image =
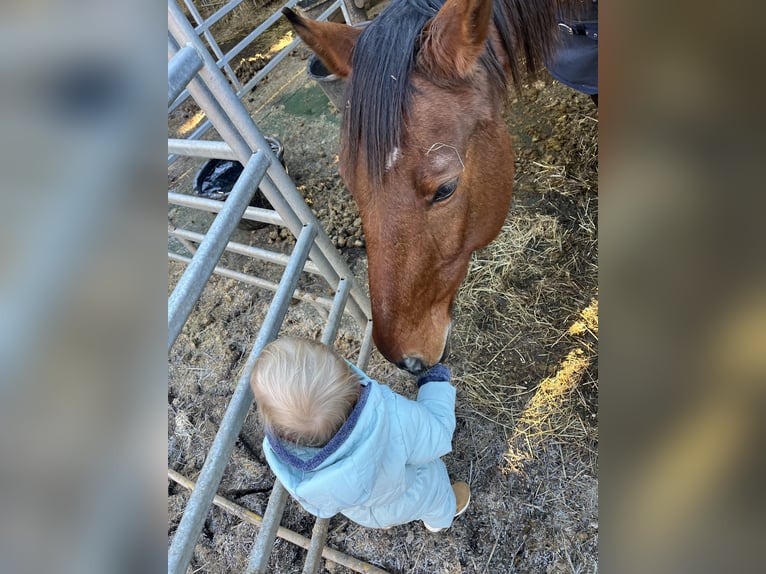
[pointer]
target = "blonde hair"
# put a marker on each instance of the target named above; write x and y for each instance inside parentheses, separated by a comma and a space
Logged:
(305, 391)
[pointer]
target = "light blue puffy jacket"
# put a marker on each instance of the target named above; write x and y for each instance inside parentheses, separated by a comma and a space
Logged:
(382, 468)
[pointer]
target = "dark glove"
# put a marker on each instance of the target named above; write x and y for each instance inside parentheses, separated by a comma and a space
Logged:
(439, 372)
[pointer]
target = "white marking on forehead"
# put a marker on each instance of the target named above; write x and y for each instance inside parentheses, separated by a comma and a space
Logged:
(392, 158)
(441, 160)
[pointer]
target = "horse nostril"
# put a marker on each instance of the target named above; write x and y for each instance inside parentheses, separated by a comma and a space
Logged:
(412, 364)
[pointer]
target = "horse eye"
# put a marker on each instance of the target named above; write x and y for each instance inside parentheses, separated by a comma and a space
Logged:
(445, 191)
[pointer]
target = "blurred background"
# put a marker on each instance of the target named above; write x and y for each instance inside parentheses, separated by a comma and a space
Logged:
(683, 290)
(82, 287)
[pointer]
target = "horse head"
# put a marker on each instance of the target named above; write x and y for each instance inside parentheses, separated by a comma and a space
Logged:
(424, 152)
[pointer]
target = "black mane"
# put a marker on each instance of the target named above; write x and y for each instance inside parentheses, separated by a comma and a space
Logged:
(384, 56)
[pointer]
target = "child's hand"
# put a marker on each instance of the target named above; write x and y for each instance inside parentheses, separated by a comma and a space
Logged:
(439, 372)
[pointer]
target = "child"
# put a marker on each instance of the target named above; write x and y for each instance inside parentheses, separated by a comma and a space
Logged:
(341, 442)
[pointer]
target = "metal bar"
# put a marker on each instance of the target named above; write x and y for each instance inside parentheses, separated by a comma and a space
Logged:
(323, 254)
(203, 27)
(276, 59)
(319, 532)
(274, 510)
(236, 50)
(194, 12)
(352, 13)
(336, 312)
(344, 11)
(318, 540)
(208, 103)
(247, 40)
(366, 350)
(198, 132)
(201, 148)
(181, 69)
(214, 206)
(293, 537)
(277, 186)
(255, 80)
(210, 38)
(190, 527)
(247, 250)
(187, 244)
(259, 556)
(192, 283)
(198, 19)
(258, 282)
(203, 95)
(217, 15)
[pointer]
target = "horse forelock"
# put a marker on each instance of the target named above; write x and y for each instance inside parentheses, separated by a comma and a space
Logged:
(380, 90)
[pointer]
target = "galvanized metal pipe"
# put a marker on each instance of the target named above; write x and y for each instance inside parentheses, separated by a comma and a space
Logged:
(208, 36)
(286, 534)
(203, 29)
(336, 312)
(181, 69)
(201, 148)
(247, 250)
(207, 103)
(265, 25)
(190, 527)
(191, 284)
(366, 350)
(262, 548)
(318, 540)
(277, 187)
(202, 94)
(255, 80)
(319, 532)
(217, 15)
(276, 59)
(352, 13)
(226, 59)
(259, 556)
(324, 302)
(191, 248)
(214, 206)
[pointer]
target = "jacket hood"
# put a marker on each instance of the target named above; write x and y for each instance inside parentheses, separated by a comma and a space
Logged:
(342, 473)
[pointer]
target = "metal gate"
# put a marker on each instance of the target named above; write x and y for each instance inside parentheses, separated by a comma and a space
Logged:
(192, 69)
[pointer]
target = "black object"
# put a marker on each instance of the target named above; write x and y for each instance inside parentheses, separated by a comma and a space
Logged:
(216, 179)
(575, 63)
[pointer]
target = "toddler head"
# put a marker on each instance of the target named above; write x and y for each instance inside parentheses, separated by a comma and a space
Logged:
(305, 391)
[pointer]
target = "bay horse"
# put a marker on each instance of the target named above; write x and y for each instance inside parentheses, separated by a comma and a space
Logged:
(424, 149)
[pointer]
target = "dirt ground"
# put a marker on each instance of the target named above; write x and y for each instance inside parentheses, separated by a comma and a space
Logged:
(524, 349)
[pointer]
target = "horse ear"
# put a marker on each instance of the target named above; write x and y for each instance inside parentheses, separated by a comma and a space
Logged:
(453, 40)
(333, 43)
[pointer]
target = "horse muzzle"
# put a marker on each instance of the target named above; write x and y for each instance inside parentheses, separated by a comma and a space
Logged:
(413, 365)
(416, 365)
